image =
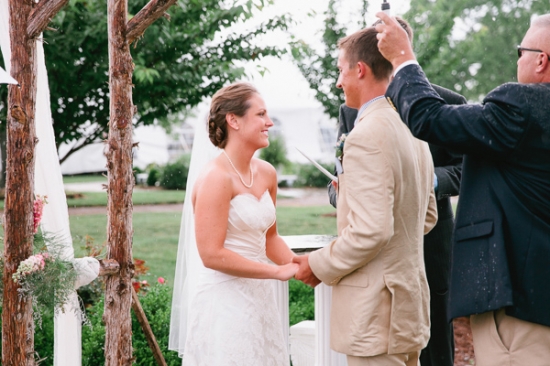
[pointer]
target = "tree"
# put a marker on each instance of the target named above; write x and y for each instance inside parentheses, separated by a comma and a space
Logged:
(469, 45)
(177, 62)
(464, 45)
(320, 70)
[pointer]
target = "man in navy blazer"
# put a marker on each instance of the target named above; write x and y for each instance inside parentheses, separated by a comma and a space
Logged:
(501, 244)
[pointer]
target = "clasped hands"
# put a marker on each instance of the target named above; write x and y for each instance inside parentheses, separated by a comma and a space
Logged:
(304, 273)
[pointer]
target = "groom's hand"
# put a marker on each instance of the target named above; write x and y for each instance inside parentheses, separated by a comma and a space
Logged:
(305, 274)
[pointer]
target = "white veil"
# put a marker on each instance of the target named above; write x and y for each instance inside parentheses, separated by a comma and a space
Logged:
(188, 263)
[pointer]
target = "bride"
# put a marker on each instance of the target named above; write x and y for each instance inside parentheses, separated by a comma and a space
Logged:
(227, 310)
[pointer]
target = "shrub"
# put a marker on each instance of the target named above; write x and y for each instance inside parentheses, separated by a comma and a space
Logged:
(154, 176)
(275, 153)
(156, 304)
(301, 302)
(174, 175)
(310, 176)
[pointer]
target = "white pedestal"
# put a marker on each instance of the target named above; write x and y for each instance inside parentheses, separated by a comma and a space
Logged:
(302, 343)
(324, 356)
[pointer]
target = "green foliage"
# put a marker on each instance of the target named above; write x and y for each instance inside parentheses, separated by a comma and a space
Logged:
(482, 55)
(464, 45)
(177, 62)
(320, 70)
(275, 153)
(310, 176)
(301, 302)
(153, 176)
(174, 175)
(156, 304)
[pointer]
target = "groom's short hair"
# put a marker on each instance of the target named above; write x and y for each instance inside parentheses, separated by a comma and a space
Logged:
(363, 46)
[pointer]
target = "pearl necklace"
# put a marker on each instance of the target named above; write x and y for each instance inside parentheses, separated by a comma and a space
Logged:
(239, 174)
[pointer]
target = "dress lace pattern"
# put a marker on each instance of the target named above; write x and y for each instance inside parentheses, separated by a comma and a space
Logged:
(234, 321)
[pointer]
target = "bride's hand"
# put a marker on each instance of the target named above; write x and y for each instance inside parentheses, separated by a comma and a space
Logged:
(286, 271)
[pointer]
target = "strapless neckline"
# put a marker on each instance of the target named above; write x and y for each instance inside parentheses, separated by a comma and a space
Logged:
(246, 194)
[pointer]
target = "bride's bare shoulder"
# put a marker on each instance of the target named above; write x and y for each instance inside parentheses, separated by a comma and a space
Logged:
(213, 179)
(265, 168)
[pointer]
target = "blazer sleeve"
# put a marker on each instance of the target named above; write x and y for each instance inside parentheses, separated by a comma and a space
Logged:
(448, 164)
(494, 128)
(431, 214)
(368, 178)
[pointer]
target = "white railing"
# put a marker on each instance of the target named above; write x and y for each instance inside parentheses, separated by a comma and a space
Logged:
(324, 356)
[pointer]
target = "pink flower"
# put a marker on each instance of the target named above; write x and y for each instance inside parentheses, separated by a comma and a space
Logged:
(161, 280)
(38, 208)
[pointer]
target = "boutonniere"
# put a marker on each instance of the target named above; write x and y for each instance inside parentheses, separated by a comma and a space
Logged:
(340, 146)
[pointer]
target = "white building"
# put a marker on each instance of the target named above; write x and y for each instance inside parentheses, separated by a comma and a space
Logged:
(308, 128)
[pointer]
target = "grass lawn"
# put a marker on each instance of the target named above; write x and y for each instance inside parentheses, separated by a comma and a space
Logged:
(155, 239)
(141, 197)
(156, 234)
(88, 178)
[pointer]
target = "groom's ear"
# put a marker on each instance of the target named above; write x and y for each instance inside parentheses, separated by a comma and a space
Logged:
(232, 121)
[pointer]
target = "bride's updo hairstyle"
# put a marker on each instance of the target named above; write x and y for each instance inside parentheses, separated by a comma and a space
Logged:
(234, 99)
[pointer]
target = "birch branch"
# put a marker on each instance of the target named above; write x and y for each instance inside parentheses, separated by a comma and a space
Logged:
(146, 16)
(42, 14)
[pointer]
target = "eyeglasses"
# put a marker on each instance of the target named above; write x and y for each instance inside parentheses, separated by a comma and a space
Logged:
(521, 49)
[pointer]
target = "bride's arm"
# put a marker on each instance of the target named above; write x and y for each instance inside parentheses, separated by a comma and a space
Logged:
(212, 202)
(276, 248)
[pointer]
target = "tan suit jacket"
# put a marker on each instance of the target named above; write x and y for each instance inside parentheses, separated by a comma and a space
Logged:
(386, 203)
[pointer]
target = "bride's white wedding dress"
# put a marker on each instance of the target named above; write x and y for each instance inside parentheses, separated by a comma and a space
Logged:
(234, 320)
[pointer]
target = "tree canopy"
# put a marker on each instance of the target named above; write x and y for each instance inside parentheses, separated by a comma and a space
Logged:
(465, 45)
(177, 62)
(470, 45)
(319, 68)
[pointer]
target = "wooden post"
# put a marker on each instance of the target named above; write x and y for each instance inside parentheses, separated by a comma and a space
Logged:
(118, 290)
(149, 336)
(17, 323)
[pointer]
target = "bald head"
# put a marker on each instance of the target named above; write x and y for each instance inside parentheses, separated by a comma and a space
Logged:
(540, 27)
(534, 61)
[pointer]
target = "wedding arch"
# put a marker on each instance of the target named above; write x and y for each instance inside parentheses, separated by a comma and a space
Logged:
(27, 156)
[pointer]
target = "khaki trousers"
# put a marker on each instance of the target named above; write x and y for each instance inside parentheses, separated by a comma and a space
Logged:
(401, 359)
(502, 340)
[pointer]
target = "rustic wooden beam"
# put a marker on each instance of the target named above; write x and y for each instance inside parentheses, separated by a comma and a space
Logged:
(108, 267)
(42, 14)
(149, 335)
(146, 16)
(17, 322)
(118, 289)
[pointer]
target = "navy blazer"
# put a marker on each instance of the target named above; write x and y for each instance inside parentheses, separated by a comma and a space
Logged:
(501, 243)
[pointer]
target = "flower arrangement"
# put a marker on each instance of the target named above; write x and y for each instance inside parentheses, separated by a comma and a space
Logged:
(340, 146)
(46, 277)
(33, 264)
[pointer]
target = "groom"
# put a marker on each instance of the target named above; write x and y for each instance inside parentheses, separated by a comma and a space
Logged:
(386, 203)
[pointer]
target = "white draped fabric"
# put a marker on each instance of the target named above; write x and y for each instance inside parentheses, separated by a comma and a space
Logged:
(5, 78)
(55, 219)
